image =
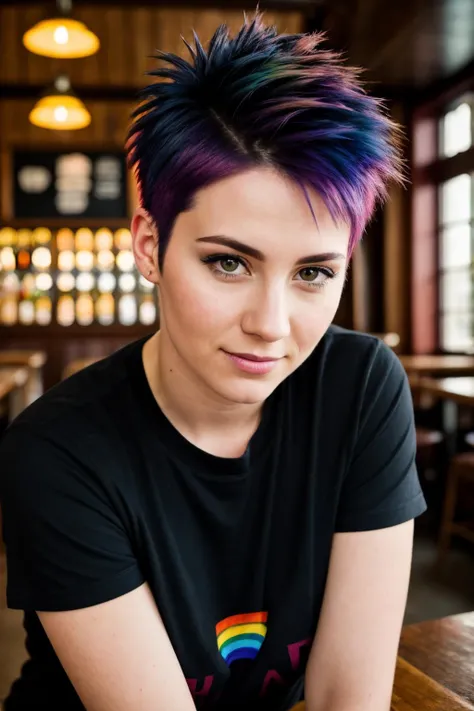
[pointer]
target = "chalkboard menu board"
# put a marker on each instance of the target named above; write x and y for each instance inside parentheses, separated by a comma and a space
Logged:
(72, 184)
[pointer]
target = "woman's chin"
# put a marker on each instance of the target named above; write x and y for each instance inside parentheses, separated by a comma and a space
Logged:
(246, 392)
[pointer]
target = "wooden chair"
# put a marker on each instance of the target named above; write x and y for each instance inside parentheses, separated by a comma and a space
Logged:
(13, 389)
(34, 361)
(429, 452)
(76, 365)
(390, 339)
(461, 471)
(430, 461)
(426, 438)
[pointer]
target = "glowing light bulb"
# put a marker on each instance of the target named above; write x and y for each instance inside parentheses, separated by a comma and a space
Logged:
(61, 35)
(60, 114)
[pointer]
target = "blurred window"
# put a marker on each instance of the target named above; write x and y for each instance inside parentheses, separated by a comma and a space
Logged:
(456, 130)
(456, 287)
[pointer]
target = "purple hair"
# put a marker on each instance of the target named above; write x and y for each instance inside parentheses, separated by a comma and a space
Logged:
(261, 98)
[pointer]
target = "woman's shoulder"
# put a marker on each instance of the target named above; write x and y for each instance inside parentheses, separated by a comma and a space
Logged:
(343, 356)
(355, 344)
(79, 420)
(85, 400)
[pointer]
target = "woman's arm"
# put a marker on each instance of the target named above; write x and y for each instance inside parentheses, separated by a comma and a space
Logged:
(118, 655)
(70, 557)
(352, 662)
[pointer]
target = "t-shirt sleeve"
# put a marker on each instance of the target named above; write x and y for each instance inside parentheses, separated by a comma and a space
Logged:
(66, 544)
(381, 486)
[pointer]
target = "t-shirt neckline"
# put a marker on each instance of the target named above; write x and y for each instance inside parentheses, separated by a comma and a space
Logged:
(180, 448)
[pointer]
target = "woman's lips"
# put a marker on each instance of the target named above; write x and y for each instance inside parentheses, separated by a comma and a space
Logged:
(249, 363)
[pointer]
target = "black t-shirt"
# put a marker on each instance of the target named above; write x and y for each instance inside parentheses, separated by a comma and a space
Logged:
(100, 493)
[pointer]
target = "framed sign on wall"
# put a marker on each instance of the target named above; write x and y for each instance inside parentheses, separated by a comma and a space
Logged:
(73, 184)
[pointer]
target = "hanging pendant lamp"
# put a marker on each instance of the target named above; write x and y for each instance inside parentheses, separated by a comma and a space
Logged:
(61, 37)
(60, 109)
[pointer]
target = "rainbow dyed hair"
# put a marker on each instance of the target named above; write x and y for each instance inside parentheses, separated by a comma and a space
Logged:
(261, 98)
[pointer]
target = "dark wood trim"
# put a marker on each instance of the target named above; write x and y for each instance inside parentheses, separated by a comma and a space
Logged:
(396, 252)
(440, 94)
(424, 246)
(444, 169)
(282, 5)
(106, 93)
(90, 145)
(56, 223)
(6, 197)
(55, 331)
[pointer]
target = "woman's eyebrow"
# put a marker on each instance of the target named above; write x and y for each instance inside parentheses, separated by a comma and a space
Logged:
(235, 244)
(257, 254)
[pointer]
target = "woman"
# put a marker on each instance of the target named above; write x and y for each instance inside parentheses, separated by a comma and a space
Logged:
(221, 515)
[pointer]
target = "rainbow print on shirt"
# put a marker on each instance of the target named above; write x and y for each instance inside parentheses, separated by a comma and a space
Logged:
(241, 636)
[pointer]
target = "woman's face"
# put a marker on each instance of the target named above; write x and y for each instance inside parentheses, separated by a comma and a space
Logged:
(250, 284)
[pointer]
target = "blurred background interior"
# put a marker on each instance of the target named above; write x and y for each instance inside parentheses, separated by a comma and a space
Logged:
(69, 292)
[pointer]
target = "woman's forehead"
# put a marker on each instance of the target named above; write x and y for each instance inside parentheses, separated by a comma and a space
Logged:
(264, 209)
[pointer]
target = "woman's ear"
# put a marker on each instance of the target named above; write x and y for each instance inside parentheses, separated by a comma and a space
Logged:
(145, 244)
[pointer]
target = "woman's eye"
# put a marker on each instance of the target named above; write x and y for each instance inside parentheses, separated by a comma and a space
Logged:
(229, 265)
(226, 265)
(309, 274)
(315, 276)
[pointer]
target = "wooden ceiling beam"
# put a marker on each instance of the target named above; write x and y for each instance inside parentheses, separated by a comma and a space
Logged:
(130, 93)
(86, 93)
(306, 6)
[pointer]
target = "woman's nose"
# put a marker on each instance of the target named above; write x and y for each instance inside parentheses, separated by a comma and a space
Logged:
(267, 316)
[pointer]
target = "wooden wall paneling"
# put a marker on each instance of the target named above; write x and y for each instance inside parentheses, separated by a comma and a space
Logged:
(367, 278)
(9, 33)
(98, 126)
(92, 70)
(360, 291)
(6, 187)
(183, 23)
(35, 70)
(128, 35)
(109, 125)
(290, 22)
(4, 174)
(160, 33)
(23, 67)
(424, 244)
(116, 58)
(396, 255)
(424, 272)
(397, 267)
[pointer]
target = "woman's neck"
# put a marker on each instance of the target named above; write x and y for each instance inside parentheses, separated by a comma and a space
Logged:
(218, 426)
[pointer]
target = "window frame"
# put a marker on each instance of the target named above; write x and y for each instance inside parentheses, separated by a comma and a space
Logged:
(430, 169)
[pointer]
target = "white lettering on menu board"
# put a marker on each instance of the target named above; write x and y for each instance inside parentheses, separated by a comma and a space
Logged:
(73, 183)
(34, 179)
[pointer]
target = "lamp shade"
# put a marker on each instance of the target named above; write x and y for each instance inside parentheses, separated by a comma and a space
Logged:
(61, 37)
(59, 109)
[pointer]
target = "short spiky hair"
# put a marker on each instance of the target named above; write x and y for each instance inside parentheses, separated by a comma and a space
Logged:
(261, 98)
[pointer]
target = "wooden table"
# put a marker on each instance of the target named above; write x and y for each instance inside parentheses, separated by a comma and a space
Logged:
(454, 392)
(417, 365)
(460, 390)
(435, 666)
(12, 384)
(437, 657)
